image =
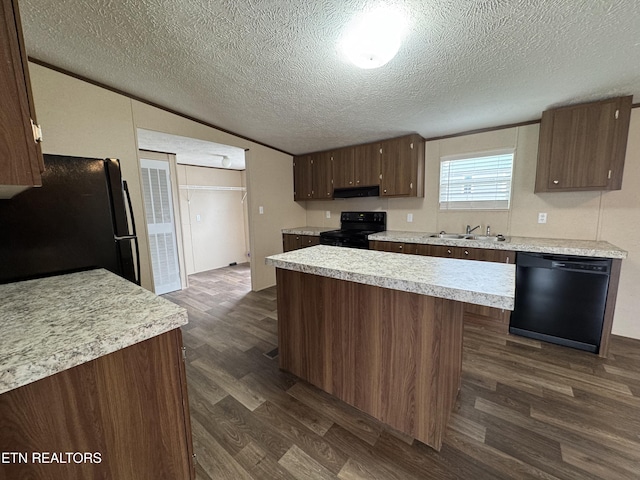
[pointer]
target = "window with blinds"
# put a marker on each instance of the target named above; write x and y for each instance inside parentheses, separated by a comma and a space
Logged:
(478, 182)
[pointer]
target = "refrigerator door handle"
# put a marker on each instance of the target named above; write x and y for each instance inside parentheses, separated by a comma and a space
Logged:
(126, 237)
(133, 235)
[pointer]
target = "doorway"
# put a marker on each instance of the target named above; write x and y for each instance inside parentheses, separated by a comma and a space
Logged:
(209, 194)
(161, 224)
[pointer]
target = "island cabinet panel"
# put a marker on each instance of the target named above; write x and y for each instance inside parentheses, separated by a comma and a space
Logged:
(21, 162)
(394, 355)
(129, 407)
(582, 147)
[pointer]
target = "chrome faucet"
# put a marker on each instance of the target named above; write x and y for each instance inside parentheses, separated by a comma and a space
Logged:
(469, 229)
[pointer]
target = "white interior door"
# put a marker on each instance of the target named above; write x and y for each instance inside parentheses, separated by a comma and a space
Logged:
(156, 183)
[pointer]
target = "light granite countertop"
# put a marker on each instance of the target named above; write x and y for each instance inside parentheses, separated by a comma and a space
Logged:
(583, 248)
(53, 324)
(481, 283)
(312, 231)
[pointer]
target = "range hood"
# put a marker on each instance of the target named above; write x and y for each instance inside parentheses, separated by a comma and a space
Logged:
(356, 192)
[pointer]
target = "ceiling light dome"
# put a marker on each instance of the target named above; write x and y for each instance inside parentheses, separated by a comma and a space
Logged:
(374, 38)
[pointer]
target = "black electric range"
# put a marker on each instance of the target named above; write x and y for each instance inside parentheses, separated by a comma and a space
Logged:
(355, 227)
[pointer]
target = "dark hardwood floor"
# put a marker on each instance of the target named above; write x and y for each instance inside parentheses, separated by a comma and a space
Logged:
(526, 409)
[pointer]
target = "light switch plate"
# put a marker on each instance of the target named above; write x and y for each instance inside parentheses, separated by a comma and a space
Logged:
(542, 217)
(198, 218)
(327, 213)
(409, 217)
(261, 210)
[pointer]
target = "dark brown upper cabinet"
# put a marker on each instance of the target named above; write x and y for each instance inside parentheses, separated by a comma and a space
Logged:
(402, 165)
(396, 165)
(312, 177)
(21, 162)
(322, 176)
(367, 165)
(582, 147)
(357, 166)
(302, 178)
(344, 167)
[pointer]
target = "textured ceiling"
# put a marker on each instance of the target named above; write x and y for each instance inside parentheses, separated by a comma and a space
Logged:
(270, 69)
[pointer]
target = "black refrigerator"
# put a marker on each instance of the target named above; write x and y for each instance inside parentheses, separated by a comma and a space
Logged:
(79, 219)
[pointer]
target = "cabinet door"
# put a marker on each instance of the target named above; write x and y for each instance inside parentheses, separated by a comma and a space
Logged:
(402, 165)
(291, 242)
(439, 251)
(21, 160)
(379, 245)
(343, 167)
(309, 241)
(582, 147)
(490, 255)
(367, 164)
(321, 176)
(302, 178)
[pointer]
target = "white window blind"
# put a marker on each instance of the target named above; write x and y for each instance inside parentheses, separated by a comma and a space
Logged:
(478, 182)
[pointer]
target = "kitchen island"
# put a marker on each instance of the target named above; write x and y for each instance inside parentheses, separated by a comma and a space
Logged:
(383, 331)
(92, 381)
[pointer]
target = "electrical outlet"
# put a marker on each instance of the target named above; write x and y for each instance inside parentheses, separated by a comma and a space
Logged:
(542, 217)
(261, 210)
(409, 217)
(327, 213)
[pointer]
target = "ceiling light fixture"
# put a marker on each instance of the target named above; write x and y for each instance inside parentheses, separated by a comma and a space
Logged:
(373, 38)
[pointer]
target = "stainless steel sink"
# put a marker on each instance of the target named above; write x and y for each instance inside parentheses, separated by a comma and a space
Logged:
(449, 235)
(460, 236)
(485, 238)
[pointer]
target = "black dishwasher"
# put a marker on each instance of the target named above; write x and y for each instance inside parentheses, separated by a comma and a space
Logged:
(561, 299)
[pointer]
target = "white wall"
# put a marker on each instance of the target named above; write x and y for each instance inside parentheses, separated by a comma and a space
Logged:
(609, 216)
(217, 238)
(81, 119)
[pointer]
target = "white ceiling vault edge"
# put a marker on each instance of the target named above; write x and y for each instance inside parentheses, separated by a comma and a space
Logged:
(192, 151)
(271, 71)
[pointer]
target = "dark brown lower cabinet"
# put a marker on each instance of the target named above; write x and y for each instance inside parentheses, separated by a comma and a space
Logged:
(397, 247)
(292, 241)
(121, 416)
(494, 319)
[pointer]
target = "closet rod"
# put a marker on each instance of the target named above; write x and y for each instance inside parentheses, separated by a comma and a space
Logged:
(212, 187)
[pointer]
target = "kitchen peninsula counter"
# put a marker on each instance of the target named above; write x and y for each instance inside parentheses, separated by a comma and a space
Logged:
(55, 323)
(383, 331)
(92, 369)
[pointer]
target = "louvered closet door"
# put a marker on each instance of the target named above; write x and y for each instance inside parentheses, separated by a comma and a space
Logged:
(160, 225)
